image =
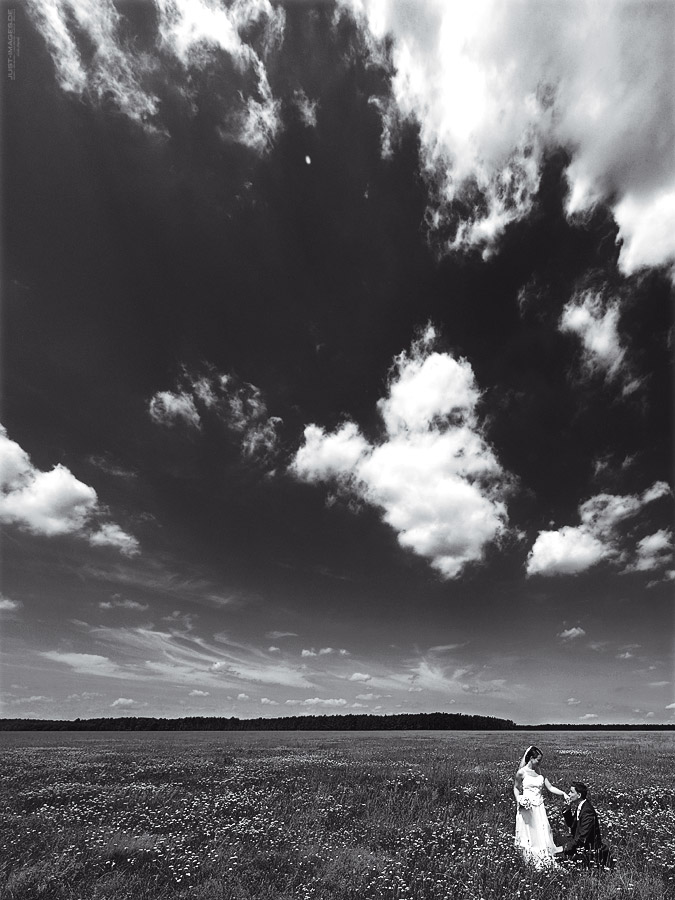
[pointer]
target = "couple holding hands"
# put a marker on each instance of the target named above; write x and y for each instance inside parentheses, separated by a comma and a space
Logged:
(533, 832)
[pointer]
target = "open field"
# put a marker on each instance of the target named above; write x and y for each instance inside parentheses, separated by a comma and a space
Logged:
(424, 816)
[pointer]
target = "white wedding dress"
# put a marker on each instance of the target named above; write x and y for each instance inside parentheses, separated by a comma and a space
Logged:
(533, 832)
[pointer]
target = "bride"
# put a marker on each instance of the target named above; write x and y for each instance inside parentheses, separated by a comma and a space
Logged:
(533, 832)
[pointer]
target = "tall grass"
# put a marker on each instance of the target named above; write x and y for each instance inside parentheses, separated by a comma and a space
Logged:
(231, 817)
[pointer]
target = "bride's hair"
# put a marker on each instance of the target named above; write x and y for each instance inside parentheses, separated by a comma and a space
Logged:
(529, 753)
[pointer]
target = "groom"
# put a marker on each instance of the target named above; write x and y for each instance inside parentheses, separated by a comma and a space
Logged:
(582, 820)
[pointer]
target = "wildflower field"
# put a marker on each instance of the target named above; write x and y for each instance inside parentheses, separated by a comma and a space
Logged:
(419, 815)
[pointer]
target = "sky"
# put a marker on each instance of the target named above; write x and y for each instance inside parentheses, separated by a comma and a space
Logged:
(337, 359)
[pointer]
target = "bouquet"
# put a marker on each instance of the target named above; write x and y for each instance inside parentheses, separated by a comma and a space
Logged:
(524, 802)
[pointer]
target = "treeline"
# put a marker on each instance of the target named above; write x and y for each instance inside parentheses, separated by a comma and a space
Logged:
(398, 722)
(652, 726)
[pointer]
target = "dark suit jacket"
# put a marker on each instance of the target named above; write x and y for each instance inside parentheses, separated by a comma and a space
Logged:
(585, 829)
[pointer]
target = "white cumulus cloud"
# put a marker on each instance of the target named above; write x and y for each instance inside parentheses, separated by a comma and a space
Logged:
(433, 476)
(573, 549)
(9, 605)
(53, 503)
(571, 634)
(654, 551)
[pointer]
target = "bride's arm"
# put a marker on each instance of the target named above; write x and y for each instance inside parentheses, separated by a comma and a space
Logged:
(518, 785)
(553, 789)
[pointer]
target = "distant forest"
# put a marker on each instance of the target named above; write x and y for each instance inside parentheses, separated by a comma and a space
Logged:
(400, 722)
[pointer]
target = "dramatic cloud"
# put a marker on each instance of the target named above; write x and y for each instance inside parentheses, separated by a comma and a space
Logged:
(238, 405)
(574, 549)
(495, 85)
(124, 702)
(436, 480)
(110, 71)
(197, 693)
(191, 36)
(53, 503)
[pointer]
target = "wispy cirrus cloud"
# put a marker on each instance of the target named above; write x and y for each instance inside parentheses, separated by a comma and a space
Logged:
(575, 548)
(118, 602)
(33, 699)
(88, 664)
(189, 37)
(113, 69)
(54, 503)
(594, 319)
(433, 476)
(162, 578)
(495, 86)
(181, 656)
(322, 703)
(239, 406)
(171, 407)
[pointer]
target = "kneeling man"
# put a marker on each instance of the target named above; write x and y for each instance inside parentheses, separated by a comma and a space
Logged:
(582, 820)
